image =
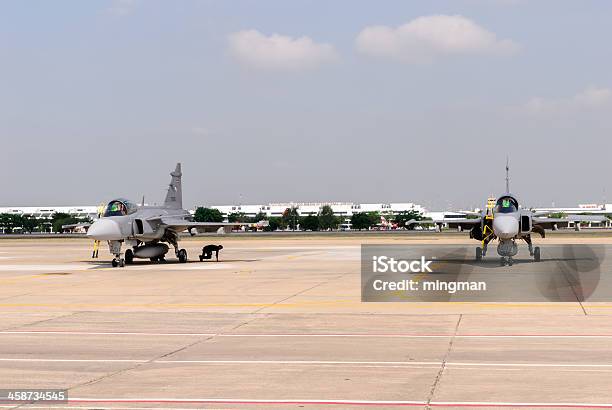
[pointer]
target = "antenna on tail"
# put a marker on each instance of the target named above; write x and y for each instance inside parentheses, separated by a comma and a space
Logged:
(507, 176)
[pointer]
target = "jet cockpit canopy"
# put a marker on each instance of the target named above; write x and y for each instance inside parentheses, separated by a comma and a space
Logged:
(120, 207)
(506, 204)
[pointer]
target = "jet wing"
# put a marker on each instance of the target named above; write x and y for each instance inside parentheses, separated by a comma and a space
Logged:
(452, 222)
(77, 225)
(180, 225)
(550, 223)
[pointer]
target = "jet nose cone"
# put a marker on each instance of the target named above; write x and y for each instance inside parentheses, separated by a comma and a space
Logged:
(105, 230)
(505, 227)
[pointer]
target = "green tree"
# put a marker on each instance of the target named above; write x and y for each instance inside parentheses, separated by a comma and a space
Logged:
(208, 215)
(327, 219)
(59, 219)
(291, 218)
(273, 224)
(10, 221)
(401, 218)
(374, 218)
(310, 223)
(261, 216)
(239, 217)
(30, 223)
(360, 221)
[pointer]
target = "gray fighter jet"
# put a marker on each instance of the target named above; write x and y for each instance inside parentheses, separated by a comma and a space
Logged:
(507, 222)
(144, 229)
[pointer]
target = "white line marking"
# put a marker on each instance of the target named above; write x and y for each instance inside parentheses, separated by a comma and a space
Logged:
(41, 268)
(302, 362)
(482, 364)
(10, 359)
(34, 332)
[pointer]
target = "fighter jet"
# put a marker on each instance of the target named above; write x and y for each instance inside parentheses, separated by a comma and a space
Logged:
(144, 229)
(505, 220)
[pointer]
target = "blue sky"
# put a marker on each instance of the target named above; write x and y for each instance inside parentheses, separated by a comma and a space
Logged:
(387, 101)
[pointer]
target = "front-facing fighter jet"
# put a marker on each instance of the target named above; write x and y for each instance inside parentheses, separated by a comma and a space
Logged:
(507, 222)
(144, 229)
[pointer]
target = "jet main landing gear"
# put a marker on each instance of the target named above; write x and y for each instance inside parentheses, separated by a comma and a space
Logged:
(536, 254)
(182, 256)
(129, 257)
(172, 239)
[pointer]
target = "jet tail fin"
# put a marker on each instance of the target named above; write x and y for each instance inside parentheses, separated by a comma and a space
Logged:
(507, 176)
(174, 197)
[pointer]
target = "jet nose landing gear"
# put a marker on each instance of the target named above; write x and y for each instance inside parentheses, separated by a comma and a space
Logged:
(118, 262)
(115, 248)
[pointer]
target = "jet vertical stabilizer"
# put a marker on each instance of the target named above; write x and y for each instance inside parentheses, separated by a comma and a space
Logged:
(174, 197)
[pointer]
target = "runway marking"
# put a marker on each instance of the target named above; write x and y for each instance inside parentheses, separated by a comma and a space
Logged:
(314, 362)
(29, 359)
(13, 268)
(332, 402)
(307, 335)
(346, 303)
(56, 406)
(90, 268)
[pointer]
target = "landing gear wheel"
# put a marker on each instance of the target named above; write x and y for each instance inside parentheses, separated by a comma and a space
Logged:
(129, 257)
(182, 256)
(201, 258)
(536, 254)
(478, 253)
(118, 262)
(155, 259)
(502, 261)
(510, 261)
(161, 259)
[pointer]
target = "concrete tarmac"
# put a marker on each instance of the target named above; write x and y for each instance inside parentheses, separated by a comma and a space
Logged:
(278, 323)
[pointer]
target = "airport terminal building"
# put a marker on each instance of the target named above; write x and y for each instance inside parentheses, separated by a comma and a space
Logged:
(342, 209)
(45, 212)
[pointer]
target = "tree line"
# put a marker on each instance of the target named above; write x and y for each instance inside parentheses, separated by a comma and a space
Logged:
(324, 220)
(26, 223)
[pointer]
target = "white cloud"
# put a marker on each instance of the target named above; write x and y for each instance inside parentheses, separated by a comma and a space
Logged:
(589, 98)
(277, 52)
(425, 38)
